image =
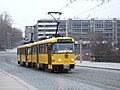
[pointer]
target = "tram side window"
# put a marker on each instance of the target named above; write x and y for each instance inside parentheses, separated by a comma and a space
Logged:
(23, 51)
(18, 52)
(34, 50)
(28, 51)
(43, 48)
(40, 49)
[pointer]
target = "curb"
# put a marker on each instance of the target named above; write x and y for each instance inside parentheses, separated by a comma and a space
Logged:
(98, 67)
(25, 84)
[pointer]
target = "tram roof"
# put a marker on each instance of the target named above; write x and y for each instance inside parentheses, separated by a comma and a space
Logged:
(26, 45)
(51, 40)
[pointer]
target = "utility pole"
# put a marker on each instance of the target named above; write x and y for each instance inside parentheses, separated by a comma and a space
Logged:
(80, 50)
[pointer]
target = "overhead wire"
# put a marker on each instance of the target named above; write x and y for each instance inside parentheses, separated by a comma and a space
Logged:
(69, 3)
(72, 1)
(103, 2)
(108, 7)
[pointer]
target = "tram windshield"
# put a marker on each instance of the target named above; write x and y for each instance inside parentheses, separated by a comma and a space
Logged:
(63, 48)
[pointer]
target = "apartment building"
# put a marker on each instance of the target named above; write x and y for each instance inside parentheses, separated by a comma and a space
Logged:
(80, 28)
(28, 32)
(45, 28)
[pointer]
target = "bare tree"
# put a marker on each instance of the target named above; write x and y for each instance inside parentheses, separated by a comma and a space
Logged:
(16, 37)
(8, 35)
(99, 47)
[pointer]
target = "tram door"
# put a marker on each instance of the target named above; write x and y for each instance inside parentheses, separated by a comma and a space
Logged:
(20, 56)
(27, 54)
(49, 56)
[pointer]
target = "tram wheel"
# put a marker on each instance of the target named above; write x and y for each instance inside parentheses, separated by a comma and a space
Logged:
(29, 65)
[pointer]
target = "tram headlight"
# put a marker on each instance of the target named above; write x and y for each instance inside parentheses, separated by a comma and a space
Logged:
(59, 60)
(72, 59)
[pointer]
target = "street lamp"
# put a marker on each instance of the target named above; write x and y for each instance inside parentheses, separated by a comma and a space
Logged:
(80, 50)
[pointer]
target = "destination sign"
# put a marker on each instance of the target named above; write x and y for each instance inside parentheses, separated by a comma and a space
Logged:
(64, 40)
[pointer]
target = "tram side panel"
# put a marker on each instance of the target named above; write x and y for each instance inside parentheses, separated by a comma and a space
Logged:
(43, 56)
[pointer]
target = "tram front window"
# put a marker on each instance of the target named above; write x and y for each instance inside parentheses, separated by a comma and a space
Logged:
(63, 48)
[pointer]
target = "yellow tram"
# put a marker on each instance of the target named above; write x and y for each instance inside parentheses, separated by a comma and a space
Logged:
(54, 54)
(24, 55)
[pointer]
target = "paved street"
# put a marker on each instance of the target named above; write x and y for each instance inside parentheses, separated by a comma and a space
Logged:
(81, 78)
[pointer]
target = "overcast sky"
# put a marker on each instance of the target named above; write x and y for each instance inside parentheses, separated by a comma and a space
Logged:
(27, 12)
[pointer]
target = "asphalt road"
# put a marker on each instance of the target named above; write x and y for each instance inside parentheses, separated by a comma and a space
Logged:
(81, 78)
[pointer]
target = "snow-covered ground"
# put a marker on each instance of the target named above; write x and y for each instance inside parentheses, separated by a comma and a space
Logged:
(9, 51)
(12, 50)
